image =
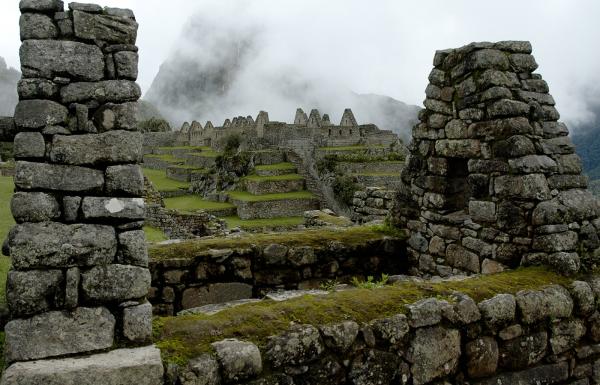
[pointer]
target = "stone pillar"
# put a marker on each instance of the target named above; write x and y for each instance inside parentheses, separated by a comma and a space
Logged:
(492, 180)
(80, 273)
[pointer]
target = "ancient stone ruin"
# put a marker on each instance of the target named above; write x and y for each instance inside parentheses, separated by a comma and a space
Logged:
(493, 180)
(79, 273)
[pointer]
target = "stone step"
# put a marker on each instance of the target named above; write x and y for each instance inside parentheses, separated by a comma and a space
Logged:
(389, 167)
(384, 180)
(199, 159)
(268, 157)
(275, 169)
(276, 184)
(183, 173)
(264, 207)
(160, 162)
(140, 366)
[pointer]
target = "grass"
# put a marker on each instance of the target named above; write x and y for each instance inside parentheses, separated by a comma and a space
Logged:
(350, 236)
(164, 157)
(154, 235)
(263, 223)
(258, 178)
(206, 154)
(184, 337)
(350, 148)
(191, 203)
(6, 219)
(188, 167)
(247, 197)
(162, 183)
(276, 166)
(191, 148)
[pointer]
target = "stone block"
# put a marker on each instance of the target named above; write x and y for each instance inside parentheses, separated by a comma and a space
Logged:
(552, 302)
(45, 176)
(126, 63)
(523, 62)
(85, 7)
(531, 186)
(499, 310)
(201, 370)
(133, 250)
(140, 366)
(434, 353)
(29, 145)
(96, 149)
(551, 243)
(37, 26)
(78, 61)
(36, 114)
(215, 293)
(41, 5)
(119, 12)
(72, 280)
(533, 164)
(113, 208)
(482, 211)
(126, 179)
(523, 351)
(583, 297)
(546, 374)
(458, 148)
(116, 117)
(137, 323)
(34, 207)
(482, 357)
(557, 146)
(507, 107)
(108, 91)
(487, 59)
(34, 291)
(565, 263)
(59, 333)
(426, 312)
(566, 335)
(111, 29)
(340, 337)
(52, 244)
(115, 283)
(301, 344)
(239, 360)
(462, 258)
(71, 206)
(65, 23)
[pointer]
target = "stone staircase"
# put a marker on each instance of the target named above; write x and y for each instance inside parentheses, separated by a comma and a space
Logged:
(312, 183)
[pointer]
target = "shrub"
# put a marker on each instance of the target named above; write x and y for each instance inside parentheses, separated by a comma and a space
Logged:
(231, 143)
(344, 188)
(154, 125)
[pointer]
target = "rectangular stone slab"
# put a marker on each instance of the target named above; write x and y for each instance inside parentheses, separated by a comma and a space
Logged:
(56, 177)
(141, 366)
(96, 149)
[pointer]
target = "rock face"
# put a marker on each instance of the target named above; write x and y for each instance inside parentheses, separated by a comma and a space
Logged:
(79, 273)
(434, 353)
(491, 163)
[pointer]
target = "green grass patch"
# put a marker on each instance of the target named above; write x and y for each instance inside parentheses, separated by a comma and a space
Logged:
(162, 183)
(276, 166)
(246, 196)
(350, 236)
(188, 167)
(263, 223)
(164, 157)
(6, 220)
(258, 178)
(350, 148)
(206, 154)
(154, 235)
(190, 148)
(189, 203)
(184, 337)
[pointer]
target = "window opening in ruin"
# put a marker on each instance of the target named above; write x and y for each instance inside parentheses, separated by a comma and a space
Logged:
(340, 132)
(458, 189)
(329, 132)
(350, 131)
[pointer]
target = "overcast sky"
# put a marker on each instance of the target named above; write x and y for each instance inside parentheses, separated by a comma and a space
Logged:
(380, 46)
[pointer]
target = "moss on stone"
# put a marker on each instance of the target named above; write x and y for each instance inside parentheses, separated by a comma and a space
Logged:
(246, 196)
(190, 203)
(154, 235)
(162, 183)
(184, 337)
(276, 166)
(258, 178)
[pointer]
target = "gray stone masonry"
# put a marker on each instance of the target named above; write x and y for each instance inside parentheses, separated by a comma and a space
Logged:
(79, 276)
(492, 180)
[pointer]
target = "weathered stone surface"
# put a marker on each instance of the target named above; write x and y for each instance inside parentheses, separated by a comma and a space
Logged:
(215, 293)
(126, 63)
(462, 258)
(35, 114)
(531, 186)
(29, 145)
(125, 179)
(114, 91)
(426, 312)
(112, 29)
(487, 59)
(45, 176)
(116, 117)
(434, 352)
(120, 12)
(499, 310)
(51, 244)
(376, 368)
(85, 7)
(275, 254)
(523, 351)
(458, 148)
(137, 322)
(72, 280)
(559, 145)
(482, 211)
(34, 291)
(340, 337)
(550, 243)
(507, 107)
(463, 311)
(566, 335)
(140, 366)
(203, 370)
(391, 329)
(34, 207)
(51, 58)
(546, 374)
(552, 302)
(41, 5)
(133, 250)
(566, 263)
(482, 357)
(239, 360)
(298, 346)
(113, 208)
(94, 149)
(37, 26)
(533, 164)
(580, 204)
(58, 333)
(115, 283)
(583, 297)
(71, 206)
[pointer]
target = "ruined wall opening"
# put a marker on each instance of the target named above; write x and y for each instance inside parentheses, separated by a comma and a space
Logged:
(458, 188)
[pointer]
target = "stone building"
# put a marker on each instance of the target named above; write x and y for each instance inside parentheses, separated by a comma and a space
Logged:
(492, 180)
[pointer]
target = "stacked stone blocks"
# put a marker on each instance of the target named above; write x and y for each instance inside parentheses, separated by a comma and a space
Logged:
(493, 180)
(80, 274)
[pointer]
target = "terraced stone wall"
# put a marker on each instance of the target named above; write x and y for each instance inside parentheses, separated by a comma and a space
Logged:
(492, 180)
(79, 276)
(371, 204)
(548, 336)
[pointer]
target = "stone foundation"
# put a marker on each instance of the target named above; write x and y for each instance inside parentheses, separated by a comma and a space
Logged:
(274, 208)
(372, 204)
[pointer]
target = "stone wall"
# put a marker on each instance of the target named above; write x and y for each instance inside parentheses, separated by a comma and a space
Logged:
(371, 204)
(492, 180)
(179, 225)
(7, 129)
(222, 275)
(79, 275)
(547, 336)
(276, 208)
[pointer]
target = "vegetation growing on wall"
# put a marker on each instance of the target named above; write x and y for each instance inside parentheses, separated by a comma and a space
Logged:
(154, 125)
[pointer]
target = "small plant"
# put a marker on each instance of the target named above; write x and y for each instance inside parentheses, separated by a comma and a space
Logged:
(329, 285)
(344, 188)
(370, 283)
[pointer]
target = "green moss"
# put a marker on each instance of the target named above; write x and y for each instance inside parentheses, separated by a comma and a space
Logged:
(184, 337)
(189, 203)
(276, 166)
(263, 223)
(246, 196)
(257, 178)
(350, 236)
(154, 235)
(6, 220)
(162, 183)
